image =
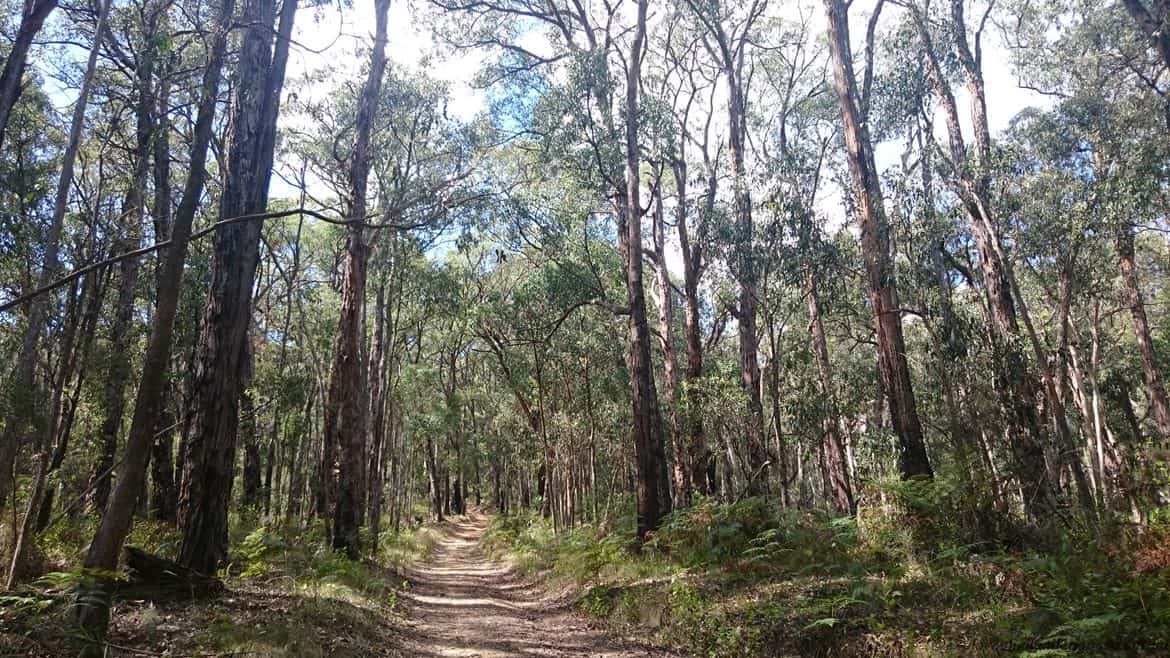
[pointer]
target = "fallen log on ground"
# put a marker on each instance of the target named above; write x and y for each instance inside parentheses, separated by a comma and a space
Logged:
(156, 578)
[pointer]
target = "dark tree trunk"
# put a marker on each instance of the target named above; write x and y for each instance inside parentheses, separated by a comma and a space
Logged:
(250, 497)
(32, 19)
(647, 430)
(222, 362)
(92, 612)
(345, 412)
(164, 497)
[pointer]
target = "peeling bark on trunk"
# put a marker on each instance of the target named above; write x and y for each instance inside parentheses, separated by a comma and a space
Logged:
(1155, 388)
(879, 269)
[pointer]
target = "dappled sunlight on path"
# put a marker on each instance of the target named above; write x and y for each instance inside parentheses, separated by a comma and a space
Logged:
(461, 603)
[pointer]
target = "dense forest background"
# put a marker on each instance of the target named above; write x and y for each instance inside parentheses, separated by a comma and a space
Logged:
(747, 288)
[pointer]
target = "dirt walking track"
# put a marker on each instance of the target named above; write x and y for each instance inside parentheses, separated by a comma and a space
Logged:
(460, 603)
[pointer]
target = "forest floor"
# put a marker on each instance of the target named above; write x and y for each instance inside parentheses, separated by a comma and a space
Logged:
(448, 598)
(461, 603)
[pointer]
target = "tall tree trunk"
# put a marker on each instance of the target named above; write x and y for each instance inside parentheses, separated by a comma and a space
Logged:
(745, 274)
(32, 19)
(23, 400)
(875, 246)
(118, 366)
(93, 608)
(729, 50)
(1015, 382)
(680, 466)
(698, 454)
(164, 499)
(378, 369)
(221, 363)
(345, 412)
(836, 472)
(647, 430)
(1155, 388)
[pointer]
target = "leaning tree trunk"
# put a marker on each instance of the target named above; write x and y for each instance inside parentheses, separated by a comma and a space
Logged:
(23, 396)
(118, 366)
(32, 19)
(1016, 383)
(345, 411)
(93, 608)
(875, 247)
(1155, 388)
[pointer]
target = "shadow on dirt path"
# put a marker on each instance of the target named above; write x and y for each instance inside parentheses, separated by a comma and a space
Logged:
(460, 603)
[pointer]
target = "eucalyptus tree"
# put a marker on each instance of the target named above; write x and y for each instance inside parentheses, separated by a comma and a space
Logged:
(94, 603)
(23, 378)
(32, 18)
(223, 360)
(881, 284)
(691, 117)
(600, 51)
(138, 52)
(729, 34)
(1017, 382)
(420, 162)
(1107, 100)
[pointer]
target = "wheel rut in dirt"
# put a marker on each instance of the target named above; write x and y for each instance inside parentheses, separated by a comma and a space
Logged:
(461, 603)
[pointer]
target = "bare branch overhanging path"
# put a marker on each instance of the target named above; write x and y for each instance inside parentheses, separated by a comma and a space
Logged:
(463, 604)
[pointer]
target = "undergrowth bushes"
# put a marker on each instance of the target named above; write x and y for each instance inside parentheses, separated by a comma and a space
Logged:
(925, 569)
(291, 564)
